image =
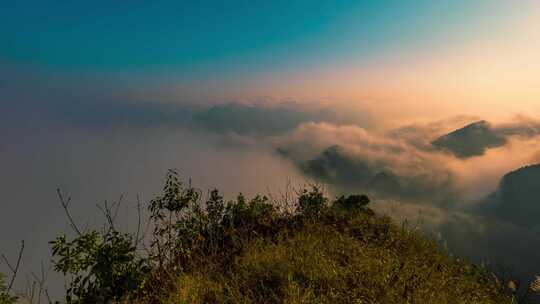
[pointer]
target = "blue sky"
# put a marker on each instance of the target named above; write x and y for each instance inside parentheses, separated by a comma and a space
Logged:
(440, 52)
(192, 36)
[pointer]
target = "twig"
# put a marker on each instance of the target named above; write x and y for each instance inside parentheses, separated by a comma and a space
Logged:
(107, 213)
(32, 292)
(14, 270)
(41, 282)
(138, 220)
(48, 297)
(118, 203)
(65, 205)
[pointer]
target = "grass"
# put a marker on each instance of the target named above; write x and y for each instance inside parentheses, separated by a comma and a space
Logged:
(338, 258)
(251, 251)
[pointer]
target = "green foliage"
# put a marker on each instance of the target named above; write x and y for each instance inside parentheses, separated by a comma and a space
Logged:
(312, 203)
(247, 251)
(176, 218)
(341, 254)
(251, 215)
(5, 297)
(329, 262)
(104, 268)
(215, 207)
(352, 202)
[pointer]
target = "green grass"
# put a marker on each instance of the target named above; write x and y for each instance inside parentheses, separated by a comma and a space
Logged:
(360, 258)
(251, 251)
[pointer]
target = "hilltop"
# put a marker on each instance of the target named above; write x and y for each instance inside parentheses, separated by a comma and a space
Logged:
(471, 140)
(303, 249)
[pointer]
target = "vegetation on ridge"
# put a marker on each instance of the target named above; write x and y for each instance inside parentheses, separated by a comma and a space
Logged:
(303, 250)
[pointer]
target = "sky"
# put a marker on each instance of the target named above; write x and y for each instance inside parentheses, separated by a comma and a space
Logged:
(185, 37)
(469, 55)
(101, 98)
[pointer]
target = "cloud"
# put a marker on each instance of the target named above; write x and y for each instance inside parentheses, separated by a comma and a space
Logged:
(476, 138)
(272, 119)
(471, 140)
(244, 119)
(421, 135)
(463, 198)
(350, 158)
(96, 141)
(498, 244)
(96, 164)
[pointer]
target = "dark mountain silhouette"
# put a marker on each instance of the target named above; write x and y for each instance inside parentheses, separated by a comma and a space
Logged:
(472, 140)
(517, 198)
(385, 183)
(336, 167)
(346, 172)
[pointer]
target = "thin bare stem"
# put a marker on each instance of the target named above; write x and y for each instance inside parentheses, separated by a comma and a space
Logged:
(41, 279)
(110, 216)
(138, 220)
(65, 205)
(14, 269)
(118, 203)
(48, 297)
(107, 213)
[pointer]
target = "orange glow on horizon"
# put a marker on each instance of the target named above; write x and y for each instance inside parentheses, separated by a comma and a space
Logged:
(495, 76)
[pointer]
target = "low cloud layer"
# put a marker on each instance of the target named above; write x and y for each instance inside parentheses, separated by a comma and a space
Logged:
(256, 118)
(350, 157)
(96, 144)
(483, 212)
(476, 138)
(498, 244)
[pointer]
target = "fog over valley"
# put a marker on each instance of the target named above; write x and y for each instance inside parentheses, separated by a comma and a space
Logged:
(450, 176)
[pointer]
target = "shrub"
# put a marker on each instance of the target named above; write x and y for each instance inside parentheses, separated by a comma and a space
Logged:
(104, 268)
(312, 202)
(177, 219)
(247, 251)
(351, 202)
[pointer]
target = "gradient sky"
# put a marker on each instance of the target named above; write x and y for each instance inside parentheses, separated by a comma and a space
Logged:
(187, 36)
(473, 57)
(403, 60)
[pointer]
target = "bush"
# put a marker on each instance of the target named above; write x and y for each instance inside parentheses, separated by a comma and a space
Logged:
(104, 268)
(247, 251)
(352, 202)
(312, 203)
(320, 264)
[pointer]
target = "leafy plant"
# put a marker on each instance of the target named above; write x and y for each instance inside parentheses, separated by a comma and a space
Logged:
(104, 268)
(312, 202)
(249, 251)
(352, 202)
(177, 219)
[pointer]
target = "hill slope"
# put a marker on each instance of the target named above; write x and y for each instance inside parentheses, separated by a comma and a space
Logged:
(361, 259)
(517, 198)
(303, 250)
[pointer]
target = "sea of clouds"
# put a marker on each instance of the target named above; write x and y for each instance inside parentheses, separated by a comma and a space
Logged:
(96, 143)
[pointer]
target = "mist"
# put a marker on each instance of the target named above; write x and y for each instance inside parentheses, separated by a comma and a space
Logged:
(95, 142)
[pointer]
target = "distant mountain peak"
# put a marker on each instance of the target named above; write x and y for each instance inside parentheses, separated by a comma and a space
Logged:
(385, 182)
(517, 198)
(471, 140)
